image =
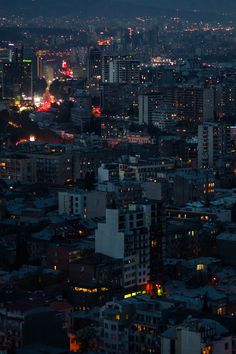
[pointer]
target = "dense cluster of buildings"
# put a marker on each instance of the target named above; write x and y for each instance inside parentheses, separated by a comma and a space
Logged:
(118, 190)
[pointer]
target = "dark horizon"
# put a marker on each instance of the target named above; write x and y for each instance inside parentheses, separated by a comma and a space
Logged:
(114, 7)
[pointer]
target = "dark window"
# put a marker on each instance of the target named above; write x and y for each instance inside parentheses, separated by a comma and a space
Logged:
(139, 223)
(172, 346)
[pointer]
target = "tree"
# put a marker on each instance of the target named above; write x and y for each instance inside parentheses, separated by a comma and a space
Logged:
(60, 89)
(40, 86)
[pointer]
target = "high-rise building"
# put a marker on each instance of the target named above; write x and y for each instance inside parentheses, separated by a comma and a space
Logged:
(213, 143)
(106, 60)
(229, 100)
(39, 65)
(119, 98)
(17, 80)
(147, 104)
(17, 74)
(124, 71)
(37, 168)
(81, 113)
(86, 204)
(94, 65)
(197, 104)
(16, 54)
(125, 235)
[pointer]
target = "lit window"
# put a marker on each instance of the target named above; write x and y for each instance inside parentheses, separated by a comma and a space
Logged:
(154, 243)
(220, 311)
(200, 266)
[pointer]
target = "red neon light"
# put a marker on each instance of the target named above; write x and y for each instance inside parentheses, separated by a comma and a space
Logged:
(148, 288)
(65, 70)
(47, 101)
(64, 64)
(101, 42)
(21, 141)
(96, 111)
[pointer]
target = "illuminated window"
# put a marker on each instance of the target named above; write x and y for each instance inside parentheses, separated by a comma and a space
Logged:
(200, 266)
(104, 289)
(85, 290)
(206, 350)
(154, 243)
(117, 317)
(160, 291)
(220, 311)
(139, 328)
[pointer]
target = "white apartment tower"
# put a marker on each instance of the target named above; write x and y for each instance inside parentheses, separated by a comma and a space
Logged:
(86, 204)
(125, 235)
(124, 71)
(147, 104)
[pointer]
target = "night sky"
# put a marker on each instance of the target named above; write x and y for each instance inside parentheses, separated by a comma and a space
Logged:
(91, 7)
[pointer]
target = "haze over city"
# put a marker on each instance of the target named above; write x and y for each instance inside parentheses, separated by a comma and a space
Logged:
(90, 7)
